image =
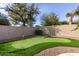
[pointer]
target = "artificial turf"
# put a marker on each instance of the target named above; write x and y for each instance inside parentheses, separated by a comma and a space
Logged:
(33, 45)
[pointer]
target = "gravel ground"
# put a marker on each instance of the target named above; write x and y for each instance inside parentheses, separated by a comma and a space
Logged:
(57, 51)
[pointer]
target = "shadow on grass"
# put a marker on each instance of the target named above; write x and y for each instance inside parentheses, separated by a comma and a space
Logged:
(17, 39)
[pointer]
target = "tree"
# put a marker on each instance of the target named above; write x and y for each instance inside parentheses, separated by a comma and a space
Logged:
(22, 12)
(76, 12)
(50, 19)
(33, 11)
(69, 16)
(3, 20)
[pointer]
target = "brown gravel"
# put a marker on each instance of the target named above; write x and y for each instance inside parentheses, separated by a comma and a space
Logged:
(58, 50)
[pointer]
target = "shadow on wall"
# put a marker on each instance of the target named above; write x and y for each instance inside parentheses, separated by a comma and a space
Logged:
(61, 31)
(50, 31)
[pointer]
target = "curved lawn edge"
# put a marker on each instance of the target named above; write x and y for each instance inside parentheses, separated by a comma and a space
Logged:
(36, 49)
(26, 43)
(40, 47)
(31, 50)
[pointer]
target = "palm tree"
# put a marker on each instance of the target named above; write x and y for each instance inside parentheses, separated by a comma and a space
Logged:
(76, 12)
(69, 16)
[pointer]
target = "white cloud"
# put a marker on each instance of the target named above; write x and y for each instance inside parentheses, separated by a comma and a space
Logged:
(2, 5)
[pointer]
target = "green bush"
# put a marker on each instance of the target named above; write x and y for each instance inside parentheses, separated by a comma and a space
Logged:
(63, 22)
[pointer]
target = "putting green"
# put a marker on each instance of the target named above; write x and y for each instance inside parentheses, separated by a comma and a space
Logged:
(36, 40)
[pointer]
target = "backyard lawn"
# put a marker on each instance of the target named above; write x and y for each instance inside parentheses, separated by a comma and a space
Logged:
(33, 45)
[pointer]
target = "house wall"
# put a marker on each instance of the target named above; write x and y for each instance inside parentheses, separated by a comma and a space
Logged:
(8, 32)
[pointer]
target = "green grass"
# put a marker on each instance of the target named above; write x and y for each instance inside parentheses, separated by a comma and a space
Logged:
(33, 45)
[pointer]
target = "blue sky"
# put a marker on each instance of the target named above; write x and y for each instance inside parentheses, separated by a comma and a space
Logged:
(59, 8)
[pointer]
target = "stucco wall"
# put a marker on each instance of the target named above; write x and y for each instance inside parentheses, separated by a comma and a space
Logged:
(8, 32)
(62, 31)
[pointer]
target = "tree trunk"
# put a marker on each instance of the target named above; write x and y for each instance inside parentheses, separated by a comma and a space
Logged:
(70, 20)
(30, 23)
(24, 24)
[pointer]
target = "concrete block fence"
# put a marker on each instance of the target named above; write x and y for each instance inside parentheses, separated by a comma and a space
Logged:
(66, 31)
(9, 33)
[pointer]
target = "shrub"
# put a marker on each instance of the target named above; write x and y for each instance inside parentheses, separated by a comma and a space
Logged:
(50, 19)
(63, 22)
(38, 30)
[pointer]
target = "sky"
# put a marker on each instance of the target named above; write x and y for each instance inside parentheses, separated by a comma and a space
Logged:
(61, 9)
